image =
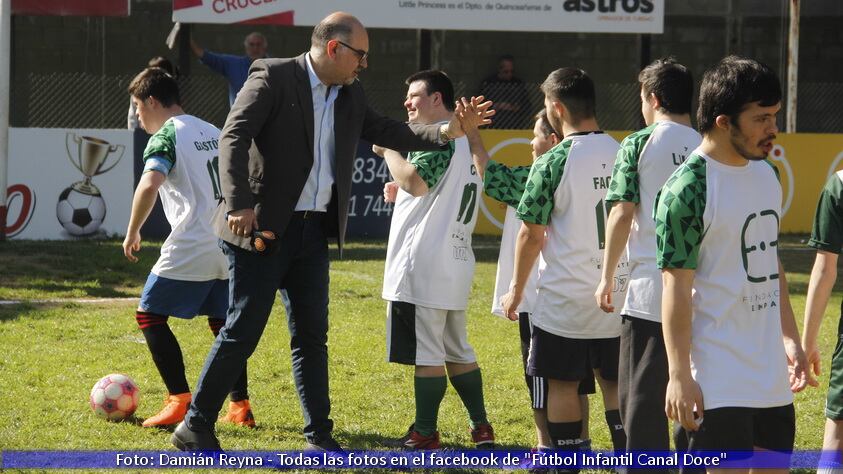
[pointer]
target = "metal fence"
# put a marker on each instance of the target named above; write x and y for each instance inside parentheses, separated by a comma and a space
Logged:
(79, 100)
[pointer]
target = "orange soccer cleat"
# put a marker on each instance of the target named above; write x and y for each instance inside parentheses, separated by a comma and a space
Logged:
(175, 407)
(240, 413)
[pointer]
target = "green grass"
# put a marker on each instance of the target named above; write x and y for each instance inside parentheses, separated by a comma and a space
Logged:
(52, 353)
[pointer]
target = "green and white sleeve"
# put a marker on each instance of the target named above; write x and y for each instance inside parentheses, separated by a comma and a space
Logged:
(679, 216)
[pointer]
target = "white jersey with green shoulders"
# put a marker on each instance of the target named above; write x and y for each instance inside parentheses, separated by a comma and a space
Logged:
(429, 259)
(723, 222)
(645, 161)
(188, 146)
(565, 191)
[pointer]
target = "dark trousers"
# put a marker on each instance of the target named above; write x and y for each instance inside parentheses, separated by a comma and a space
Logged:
(299, 266)
(642, 382)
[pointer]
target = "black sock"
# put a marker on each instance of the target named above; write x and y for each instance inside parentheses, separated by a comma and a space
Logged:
(613, 419)
(240, 390)
(565, 436)
(165, 350)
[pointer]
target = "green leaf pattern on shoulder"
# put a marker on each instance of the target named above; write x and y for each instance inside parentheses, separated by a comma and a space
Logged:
(545, 175)
(431, 165)
(624, 185)
(679, 215)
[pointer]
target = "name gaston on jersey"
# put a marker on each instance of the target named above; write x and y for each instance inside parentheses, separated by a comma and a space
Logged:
(209, 145)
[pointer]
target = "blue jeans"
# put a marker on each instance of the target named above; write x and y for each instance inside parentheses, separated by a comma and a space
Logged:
(300, 267)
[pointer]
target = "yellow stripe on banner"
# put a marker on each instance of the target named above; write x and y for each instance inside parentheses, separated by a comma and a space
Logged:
(805, 161)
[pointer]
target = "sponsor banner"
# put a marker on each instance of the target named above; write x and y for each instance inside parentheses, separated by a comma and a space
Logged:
(50, 196)
(69, 183)
(597, 16)
(444, 459)
(804, 160)
(368, 214)
(71, 7)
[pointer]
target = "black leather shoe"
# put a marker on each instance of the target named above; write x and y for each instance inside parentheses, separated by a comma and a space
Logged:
(186, 439)
(327, 443)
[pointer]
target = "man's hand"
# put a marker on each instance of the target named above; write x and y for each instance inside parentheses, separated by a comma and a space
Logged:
(390, 191)
(473, 106)
(473, 113)
(378, 150)
(603, 295)
(798, 367)
(682, 395)
(242, 221)
(510, 303)
(131, 244)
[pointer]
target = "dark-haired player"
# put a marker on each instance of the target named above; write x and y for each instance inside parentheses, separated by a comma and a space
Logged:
(191, 276)
(645, 161)
(430, 267)
(563, 199)
(717, 230)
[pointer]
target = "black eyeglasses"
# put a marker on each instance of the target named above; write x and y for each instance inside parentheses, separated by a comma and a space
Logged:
(362, 55)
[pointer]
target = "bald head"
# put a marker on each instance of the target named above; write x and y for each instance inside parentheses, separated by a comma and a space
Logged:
(338, 25)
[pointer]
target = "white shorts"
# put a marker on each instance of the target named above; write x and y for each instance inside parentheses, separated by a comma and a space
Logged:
(416, 335)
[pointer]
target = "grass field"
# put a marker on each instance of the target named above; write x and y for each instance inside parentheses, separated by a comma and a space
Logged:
(55, 343)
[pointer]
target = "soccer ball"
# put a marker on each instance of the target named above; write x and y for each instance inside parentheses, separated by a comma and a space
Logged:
(115, 397)
(80, 213)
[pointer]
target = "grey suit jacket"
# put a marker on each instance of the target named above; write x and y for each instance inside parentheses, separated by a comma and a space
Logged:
(266, 146)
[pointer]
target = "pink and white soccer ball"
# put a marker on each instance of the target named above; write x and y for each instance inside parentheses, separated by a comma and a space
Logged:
(115, 397)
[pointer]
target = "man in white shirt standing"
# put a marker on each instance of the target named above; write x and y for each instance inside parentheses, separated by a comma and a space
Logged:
(717, 231)
(430, 267)
(645, 161)
(563, 199)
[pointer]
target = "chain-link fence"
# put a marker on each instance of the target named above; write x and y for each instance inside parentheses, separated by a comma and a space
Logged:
(820, 108)
(78, 100)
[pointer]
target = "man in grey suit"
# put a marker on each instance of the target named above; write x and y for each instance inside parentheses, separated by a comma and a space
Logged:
(286, 154)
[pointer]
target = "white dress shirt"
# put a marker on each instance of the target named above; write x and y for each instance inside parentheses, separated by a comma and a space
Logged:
(317, 190)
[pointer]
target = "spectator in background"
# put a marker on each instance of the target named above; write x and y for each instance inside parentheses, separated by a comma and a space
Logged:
(157, 61)
(234, 68)
(509, 95)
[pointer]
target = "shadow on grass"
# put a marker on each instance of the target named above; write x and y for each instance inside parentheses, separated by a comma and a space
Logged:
(485, 249)
(48, 290)
(12, 312)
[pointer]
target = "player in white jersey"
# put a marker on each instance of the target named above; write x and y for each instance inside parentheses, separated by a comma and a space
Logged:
(645, 161)
(191, 276)
(717, 231)
(564, 199)
(506, 185)
(430, 266)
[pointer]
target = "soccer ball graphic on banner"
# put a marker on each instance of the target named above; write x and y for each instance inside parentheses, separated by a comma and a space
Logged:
(80, 213)
(115, 397)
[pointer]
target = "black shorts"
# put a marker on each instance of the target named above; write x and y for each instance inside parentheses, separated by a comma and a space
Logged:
(742, 429)
(537, 386)
(642, 382)
(563, 358)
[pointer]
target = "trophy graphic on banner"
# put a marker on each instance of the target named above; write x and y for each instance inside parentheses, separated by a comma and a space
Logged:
(81, 208)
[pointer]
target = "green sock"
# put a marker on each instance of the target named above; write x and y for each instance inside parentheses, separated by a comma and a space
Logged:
(470, 388)
(429, 394)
